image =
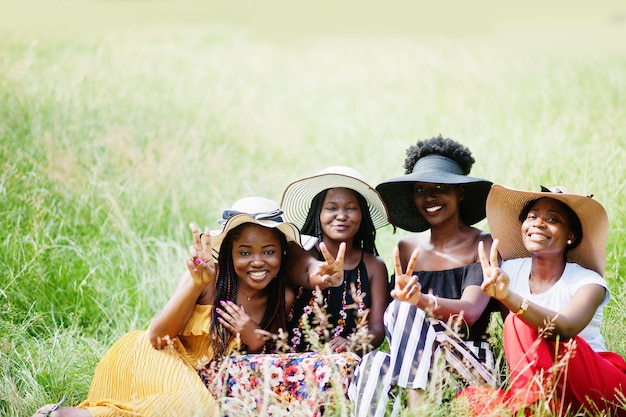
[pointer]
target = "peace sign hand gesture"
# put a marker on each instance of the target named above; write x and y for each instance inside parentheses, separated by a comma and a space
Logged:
(495, 280)
(407, 286)
(200, 263)
(331, 271)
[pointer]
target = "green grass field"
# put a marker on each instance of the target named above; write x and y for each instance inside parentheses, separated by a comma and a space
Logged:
(121, 122)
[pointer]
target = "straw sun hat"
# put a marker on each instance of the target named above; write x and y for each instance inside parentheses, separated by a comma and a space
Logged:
(299, 194)
(261, 211)
(397, 192)
(505, 204)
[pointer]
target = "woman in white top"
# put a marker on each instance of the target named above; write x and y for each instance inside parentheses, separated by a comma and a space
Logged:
(551, 280)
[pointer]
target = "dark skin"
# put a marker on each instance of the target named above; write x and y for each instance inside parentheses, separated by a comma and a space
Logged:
(196, 287)
(340, 219)
(545, 233)
(448, 244)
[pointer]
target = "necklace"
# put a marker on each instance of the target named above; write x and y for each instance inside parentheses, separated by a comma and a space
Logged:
(247, 297)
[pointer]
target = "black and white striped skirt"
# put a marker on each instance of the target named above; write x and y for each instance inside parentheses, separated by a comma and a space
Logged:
(421, 350)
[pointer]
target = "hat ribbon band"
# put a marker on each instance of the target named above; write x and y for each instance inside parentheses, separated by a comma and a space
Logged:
(267, 215)
(437, 163)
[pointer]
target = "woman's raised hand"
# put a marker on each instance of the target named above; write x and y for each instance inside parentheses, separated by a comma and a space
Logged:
(408, 287)
(200, 263)
(495, 280)
(331, 271)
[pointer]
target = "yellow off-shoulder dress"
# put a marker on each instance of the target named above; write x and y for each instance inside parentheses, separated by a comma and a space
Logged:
(134, 379)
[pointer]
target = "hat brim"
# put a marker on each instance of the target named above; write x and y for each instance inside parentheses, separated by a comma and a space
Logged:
(397, 193)
(297, 198)
(290, 230)
(504, 206)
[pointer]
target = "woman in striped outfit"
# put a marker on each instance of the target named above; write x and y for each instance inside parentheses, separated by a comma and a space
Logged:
(441, 287)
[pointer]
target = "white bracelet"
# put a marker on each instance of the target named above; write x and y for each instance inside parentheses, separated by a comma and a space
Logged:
(434, 300)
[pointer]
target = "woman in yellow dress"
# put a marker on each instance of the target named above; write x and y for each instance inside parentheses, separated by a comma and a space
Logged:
(212, 311)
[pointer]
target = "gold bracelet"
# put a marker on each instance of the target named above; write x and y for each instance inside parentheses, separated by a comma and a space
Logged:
(523, 307)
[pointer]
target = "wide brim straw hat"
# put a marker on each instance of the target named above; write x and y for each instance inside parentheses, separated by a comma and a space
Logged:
(397, 193)
(261, 211)
(504, 206)
(299, 194)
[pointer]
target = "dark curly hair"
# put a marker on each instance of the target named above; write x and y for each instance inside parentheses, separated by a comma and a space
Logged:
(364, 238)
(226, 290)
(439, 146)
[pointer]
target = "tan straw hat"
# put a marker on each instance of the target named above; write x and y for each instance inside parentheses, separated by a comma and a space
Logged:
(299, 194)
(261, 211)
(504, 206)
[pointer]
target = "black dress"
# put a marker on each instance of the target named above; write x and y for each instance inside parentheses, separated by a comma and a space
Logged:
(338, 304)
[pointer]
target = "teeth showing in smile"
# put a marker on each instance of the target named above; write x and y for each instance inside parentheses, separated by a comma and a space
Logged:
(433, 209)
(536, 236)
(259, 274)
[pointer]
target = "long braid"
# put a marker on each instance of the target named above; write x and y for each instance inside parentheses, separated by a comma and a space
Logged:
(312, 225)
(365, 237)
(225, 290)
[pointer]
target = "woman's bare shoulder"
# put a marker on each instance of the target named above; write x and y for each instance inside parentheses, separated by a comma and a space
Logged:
(410, 242)
(486, 238)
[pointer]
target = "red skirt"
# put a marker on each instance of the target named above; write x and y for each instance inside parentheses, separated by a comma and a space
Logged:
(561, 374)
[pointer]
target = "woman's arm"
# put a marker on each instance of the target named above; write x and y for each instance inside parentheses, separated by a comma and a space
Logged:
(176, 313)
(471, 305)
(379, 289)
(194, 284)
(567, 322)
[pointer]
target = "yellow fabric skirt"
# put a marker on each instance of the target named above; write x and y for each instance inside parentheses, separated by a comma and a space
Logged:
(134, 379)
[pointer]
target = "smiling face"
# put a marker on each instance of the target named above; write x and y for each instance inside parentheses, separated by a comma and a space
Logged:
(546, 228)
(257, 256)
(340, 216)
(437, 203)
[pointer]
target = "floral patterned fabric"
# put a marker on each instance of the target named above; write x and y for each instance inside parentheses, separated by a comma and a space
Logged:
(280, 384)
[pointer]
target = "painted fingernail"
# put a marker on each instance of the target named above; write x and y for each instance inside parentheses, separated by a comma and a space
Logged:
(198, 261)
(195, 271)
(218, 309)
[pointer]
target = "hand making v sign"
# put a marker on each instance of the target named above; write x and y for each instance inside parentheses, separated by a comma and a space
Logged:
(408, 287)
(331, 271)
(495, 280)
(200, 263)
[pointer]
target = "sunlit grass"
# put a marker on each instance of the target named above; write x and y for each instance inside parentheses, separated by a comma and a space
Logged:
(111, 142)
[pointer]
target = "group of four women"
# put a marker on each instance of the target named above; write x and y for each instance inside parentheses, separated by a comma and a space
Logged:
(274, 267)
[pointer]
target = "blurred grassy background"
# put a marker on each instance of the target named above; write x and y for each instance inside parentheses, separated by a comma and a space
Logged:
(122, 121)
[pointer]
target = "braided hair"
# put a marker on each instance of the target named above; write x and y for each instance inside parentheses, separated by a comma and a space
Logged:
(226, 290)
(439, 146)
(364, 238)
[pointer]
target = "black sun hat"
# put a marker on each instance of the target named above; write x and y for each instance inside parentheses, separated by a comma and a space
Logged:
(397, 193)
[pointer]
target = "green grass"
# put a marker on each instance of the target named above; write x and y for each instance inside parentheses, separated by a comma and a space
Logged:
(122, 122)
